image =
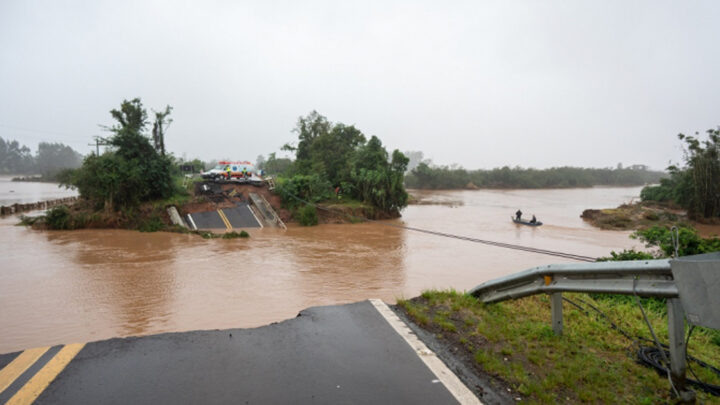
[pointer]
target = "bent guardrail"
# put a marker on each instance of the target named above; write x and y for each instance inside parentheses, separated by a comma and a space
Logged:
(648, 278)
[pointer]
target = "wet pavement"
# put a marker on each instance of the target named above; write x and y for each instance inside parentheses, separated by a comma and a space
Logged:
(327, 355)
(238, 217)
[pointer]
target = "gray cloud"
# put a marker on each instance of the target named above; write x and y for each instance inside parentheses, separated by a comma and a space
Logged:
(483, 84)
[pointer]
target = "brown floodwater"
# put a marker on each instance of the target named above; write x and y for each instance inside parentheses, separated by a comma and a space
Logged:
(61, 287)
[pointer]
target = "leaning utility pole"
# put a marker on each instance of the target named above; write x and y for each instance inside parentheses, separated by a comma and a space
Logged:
(98, 142)
(158, 132)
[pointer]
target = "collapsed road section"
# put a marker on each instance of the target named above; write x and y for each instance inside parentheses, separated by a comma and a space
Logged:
(355, 353)
(228, 206)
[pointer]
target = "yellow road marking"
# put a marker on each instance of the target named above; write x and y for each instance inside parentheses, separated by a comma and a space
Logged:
(33, 388)
(225, 220)
(18, 366)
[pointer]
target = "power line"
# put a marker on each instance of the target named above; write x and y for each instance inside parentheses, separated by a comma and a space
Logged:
(466, 238)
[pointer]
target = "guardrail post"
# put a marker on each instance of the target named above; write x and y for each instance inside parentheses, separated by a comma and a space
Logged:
(556, 307)
(676, 335)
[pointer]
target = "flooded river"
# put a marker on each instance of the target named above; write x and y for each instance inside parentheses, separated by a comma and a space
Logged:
(61, 287)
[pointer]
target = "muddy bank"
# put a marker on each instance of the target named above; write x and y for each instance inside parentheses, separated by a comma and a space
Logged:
(642, 215)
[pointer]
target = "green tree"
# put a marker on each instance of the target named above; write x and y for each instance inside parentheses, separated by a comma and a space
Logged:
(331, 152)
(132, 171)
(331, 155)
(703, 161)
(695, 187)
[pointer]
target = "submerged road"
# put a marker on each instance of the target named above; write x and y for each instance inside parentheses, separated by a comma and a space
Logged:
(355, 353)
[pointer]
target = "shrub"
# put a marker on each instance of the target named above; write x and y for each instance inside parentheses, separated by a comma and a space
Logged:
(631, 254)
(59, 218)
(152, 224)
(307, 215)
(312, 188)
(235, 235)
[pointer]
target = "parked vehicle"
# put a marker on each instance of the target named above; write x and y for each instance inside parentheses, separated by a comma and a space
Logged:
(220, 172)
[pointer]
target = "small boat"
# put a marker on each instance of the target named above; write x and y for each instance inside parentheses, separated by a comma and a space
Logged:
(528, 223)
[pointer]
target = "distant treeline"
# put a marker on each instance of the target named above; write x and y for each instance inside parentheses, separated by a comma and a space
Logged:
(427, 176)
(48, 161)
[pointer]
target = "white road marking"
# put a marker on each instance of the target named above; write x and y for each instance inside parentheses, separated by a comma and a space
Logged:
(192, 222)
(447, 377)
(256, 218)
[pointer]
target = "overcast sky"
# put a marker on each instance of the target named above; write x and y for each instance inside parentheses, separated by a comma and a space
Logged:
(479, 83)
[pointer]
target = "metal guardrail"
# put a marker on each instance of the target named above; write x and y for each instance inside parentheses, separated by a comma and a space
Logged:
(649, 278)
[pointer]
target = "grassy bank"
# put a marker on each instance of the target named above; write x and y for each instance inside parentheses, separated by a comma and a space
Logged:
(513, 343)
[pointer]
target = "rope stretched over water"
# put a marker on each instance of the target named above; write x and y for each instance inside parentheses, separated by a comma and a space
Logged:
(459, 237)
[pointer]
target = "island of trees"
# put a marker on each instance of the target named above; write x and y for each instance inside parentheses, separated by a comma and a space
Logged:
(337, 163)
(131, 183)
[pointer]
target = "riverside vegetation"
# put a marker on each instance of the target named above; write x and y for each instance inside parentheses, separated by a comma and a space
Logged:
(129, 185)
(133, 181)
(690, 194)
(427, 176)
(337, 167)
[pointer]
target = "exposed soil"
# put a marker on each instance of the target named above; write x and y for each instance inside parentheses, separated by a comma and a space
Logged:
(231, 194)
(635, 216)
(646, 214)
(342, 214)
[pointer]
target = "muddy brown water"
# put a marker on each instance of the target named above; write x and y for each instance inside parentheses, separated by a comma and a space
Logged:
(62, 287)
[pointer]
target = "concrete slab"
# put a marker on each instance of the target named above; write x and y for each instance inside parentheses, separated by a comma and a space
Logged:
(241, 216)
(207, 220)
(327, 355)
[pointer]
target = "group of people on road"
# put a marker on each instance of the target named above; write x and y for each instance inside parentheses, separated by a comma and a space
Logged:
(228, 172)
(518, 217)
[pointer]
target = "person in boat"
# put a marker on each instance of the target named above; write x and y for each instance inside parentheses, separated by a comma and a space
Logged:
(518, 215)
(533, 220)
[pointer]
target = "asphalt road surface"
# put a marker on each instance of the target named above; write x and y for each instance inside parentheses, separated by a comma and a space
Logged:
(237, 218)
(326, 355)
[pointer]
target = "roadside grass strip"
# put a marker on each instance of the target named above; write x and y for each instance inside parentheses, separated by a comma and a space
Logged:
(443, 373)
(513, 342)
(32, 371)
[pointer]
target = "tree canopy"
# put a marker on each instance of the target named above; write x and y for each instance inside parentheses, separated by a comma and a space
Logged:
(132, 170)
(335, 155)
(696, 186)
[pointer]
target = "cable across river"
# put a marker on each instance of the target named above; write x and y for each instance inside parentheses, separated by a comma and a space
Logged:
(459, 237)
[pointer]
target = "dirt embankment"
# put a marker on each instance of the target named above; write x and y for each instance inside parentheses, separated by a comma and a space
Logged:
(227, 195)
(329, 213)
(643, 215)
